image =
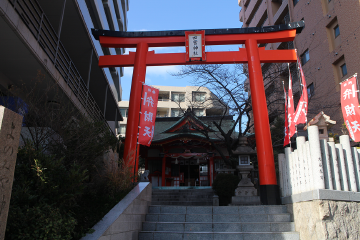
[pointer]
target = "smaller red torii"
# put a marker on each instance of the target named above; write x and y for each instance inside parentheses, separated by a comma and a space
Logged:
(251, 54)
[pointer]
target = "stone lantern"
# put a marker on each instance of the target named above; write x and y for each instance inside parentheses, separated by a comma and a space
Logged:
(323, 122)
(245, 193)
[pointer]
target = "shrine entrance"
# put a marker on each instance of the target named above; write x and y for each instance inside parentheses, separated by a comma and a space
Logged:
(195, 42)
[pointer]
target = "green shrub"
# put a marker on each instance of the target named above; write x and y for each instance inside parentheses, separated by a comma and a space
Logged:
(224, 186)
(39, 222)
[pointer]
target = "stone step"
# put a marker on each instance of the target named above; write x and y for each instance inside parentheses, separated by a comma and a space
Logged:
(183, 193)
(215, 218)
(183, 203)
(182, 197)
(261, 209)
(219, 227)
(150, 235)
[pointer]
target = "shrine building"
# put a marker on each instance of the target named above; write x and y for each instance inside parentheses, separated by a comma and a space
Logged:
(183, 151)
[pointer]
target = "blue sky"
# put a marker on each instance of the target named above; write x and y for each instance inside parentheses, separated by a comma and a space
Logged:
(177, 15)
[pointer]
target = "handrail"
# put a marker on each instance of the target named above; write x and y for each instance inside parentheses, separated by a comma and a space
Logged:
(39, 25)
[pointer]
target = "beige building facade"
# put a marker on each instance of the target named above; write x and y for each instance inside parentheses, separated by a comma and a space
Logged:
(328, 46)
(174, 101)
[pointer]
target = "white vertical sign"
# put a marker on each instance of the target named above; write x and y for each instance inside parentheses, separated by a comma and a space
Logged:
(195, 46)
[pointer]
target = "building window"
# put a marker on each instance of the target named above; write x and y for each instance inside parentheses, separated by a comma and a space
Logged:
(310, 90)
(295, 2)
(175, 112)
(122, 129)
(340, 70)
(178, 97)
(333, 33)
(124, 112)
(336, 31)
(343, 69)
(305, 57)
(199, 112)
(198, 96)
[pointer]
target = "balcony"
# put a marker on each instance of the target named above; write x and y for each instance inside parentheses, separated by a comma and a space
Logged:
(36, 45)
(281, 13)
(259, 15)
(251, 10)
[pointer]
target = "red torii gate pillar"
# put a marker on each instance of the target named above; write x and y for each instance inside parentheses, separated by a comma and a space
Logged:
(252, 54)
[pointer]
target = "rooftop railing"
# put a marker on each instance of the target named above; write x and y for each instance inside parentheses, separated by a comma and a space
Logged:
(39, 25)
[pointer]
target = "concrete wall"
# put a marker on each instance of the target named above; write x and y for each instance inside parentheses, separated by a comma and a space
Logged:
(326, 219)
(124, 221)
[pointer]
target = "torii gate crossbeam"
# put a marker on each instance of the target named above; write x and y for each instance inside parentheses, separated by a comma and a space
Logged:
(252, 55)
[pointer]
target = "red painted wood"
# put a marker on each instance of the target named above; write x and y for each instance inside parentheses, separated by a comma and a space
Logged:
(134, 105)
(230, 57)
(252, 55)
(264, 148)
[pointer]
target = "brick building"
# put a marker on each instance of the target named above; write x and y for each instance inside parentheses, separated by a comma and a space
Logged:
(328, 46)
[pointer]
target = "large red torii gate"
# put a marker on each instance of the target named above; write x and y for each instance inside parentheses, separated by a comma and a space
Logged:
(251, 54)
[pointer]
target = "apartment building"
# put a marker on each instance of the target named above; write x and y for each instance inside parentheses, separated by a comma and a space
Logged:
(328, 46)
(54, 37)
(174, 101)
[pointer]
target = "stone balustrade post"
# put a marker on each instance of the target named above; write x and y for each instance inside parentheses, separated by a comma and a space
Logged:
(335, 165)
(342, 167)
(300, 142)
(309, 185)
(326, 163)
(356, 166)
(281, 160)
(350, 170)
(287, 170)
(316, 161)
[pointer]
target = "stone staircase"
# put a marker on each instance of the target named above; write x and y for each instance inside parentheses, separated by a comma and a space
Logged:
(182, 197)
(217, 223)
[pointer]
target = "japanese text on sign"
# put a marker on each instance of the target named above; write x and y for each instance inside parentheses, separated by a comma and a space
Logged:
(195, 47)
(148, 114)
(349, 106)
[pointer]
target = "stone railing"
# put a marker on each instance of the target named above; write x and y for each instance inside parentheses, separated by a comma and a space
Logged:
(318, 164)
(124, 221)
(319, 184)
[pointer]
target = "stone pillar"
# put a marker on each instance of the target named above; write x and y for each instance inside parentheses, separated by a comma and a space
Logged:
(345, 142)
(335, 165)
(296, 171)
(316, 161)
(10, 128)
(357, 167)
(292, 173)
(342, 168)
(326, 163)
(287, 171)
(308, 171)
(300, 142)
(281, 160)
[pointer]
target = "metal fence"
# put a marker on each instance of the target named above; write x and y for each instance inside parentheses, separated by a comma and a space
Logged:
(39, 25)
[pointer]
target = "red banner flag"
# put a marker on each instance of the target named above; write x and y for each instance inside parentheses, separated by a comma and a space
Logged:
(290, 107)
(148, 114)
(286, 137)
(302, 107)
(350, 107)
